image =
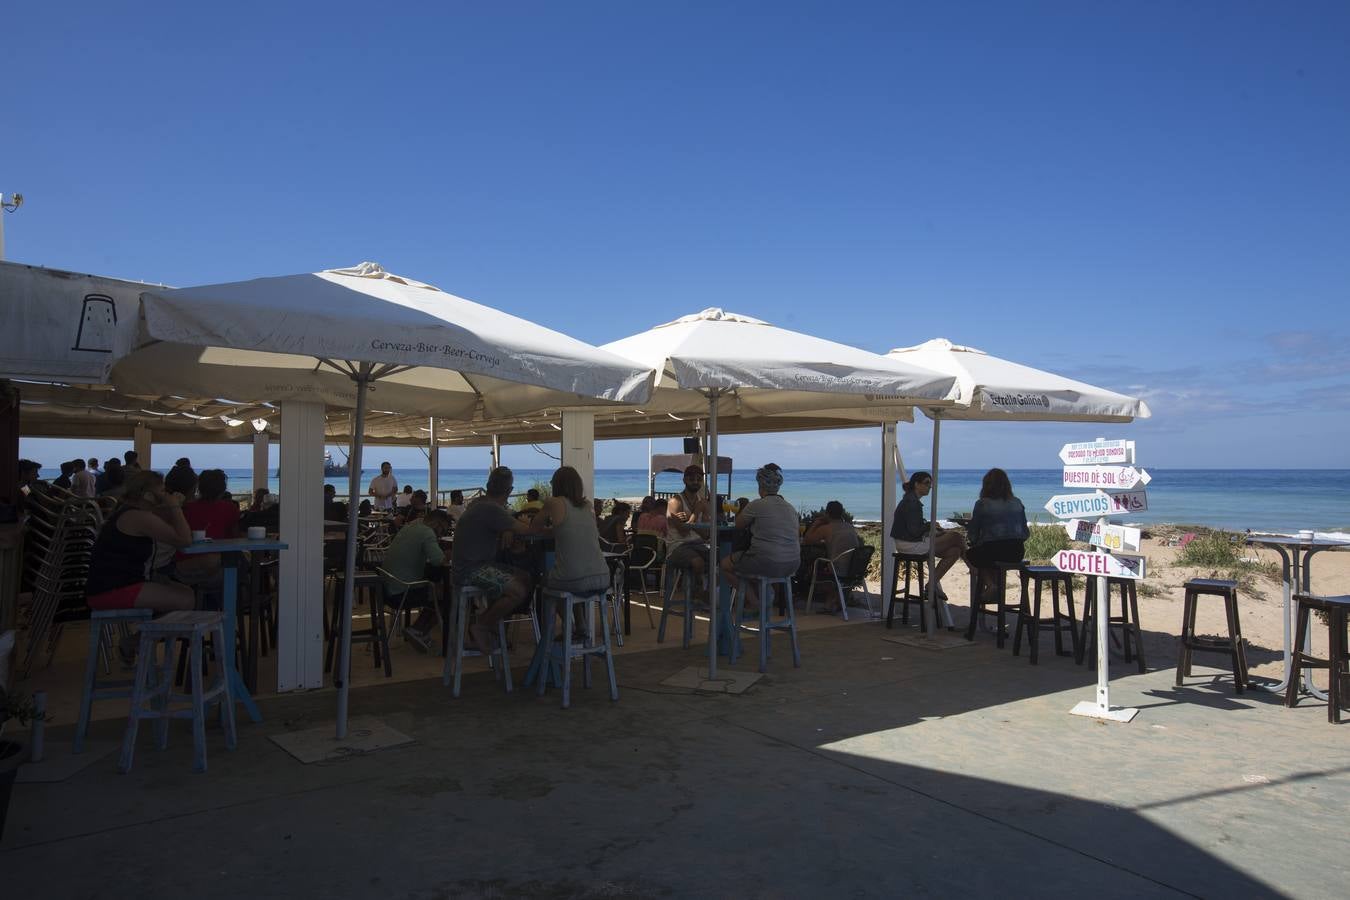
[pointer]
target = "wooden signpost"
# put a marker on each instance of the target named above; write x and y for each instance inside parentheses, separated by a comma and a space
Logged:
(1109, 467)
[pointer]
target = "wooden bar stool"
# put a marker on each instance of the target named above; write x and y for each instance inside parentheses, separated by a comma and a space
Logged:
(999, 603)
(766, 624)
(1127, 621)
(154, 684)
(1232, 645)
(1336, 608)
(377, 635)
(1029, 619)
(591, 645)
(104, 628)
(918, 563)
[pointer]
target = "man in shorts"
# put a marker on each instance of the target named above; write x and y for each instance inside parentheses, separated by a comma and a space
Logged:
(486, 527)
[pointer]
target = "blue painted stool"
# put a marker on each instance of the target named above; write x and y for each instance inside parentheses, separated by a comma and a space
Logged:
(685, 605)
(766, 625)
(590, 647)
(454, 661)
(154, 684)
(102, 624)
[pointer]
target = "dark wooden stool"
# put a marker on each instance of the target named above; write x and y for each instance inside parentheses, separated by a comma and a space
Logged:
(1337, 662)
(1029, 613)
(1127, 621)
(1000, 605)
(377, 635)
(1232, 645)
(918, 562)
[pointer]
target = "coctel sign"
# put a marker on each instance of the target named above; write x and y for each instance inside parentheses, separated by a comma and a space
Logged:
(1081, 562)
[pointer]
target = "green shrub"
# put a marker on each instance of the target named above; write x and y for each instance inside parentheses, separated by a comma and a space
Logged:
(1044, 542)
(1223, 554)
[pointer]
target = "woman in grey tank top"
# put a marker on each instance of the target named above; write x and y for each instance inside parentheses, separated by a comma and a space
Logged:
(578, 565)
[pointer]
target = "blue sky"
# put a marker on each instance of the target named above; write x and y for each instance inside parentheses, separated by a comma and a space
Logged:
(1149, 196)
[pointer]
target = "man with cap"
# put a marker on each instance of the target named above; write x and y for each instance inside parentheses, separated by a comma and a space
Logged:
(775, 548)
(685, 547)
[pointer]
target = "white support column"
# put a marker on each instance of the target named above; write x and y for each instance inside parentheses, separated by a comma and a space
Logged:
(260, 445)
(887, 514)
(578, 447)
(496, 453)
(300, 600)
(433, 468)
(141, 443)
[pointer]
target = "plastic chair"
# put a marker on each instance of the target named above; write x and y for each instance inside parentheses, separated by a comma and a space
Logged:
(854, 564)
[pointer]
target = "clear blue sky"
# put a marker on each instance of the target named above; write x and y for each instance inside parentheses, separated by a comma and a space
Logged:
(1150, 196)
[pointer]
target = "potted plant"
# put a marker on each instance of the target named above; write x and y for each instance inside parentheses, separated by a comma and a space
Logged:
(13, 750)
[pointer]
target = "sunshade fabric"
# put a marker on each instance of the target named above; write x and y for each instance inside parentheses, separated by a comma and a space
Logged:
(994, 388)
(261, 339)
(772, 370)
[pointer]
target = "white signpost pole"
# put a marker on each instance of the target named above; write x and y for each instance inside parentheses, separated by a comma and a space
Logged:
(1102, 708)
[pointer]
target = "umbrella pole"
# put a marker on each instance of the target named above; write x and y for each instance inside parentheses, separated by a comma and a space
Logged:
(343, 676)
(932, 530)
(713, 596)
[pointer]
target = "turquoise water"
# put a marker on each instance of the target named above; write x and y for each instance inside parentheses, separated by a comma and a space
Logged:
(1259, 499)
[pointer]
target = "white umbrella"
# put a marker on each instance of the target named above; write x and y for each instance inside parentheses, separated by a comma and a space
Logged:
(728, 359)
(332, 335)
(994, 389)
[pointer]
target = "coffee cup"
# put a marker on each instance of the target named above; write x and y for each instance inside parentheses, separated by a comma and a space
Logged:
(257, 533)
(199, 535)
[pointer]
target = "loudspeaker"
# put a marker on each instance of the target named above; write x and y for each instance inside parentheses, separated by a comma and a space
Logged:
(691, 445)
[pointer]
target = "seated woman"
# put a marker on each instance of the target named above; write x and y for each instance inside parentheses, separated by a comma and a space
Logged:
(614, 527)
(215, 515)
(119, 567)
(577, 564)
(997, 530)
(911, 529)
(651, 516)
(775, 549)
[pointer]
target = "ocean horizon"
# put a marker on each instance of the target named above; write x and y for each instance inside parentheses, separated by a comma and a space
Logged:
(1257, 499)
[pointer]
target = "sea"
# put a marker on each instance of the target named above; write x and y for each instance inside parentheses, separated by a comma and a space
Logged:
(1280, 500)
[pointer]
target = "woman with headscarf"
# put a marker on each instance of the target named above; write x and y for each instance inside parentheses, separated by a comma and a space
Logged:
(775, 549)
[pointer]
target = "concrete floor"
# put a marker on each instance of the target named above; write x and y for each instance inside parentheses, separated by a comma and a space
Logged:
(877, 769)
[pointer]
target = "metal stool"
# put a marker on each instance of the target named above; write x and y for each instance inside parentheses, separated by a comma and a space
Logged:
(1127, 621)
(1232, 645)
(766, 625)
(454, 662)
(1029, 619)
(1001, 606)
(154, 684)
(918, 562)
(1336, 608)
(102, 623)
(592, 601)
(686, 604)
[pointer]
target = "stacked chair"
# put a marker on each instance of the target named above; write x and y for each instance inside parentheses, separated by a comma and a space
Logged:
(61, 530)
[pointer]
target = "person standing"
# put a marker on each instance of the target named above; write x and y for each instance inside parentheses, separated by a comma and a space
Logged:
(132, 459)
(82, 481)
(93, 468)
(63, 480)
(384, 487)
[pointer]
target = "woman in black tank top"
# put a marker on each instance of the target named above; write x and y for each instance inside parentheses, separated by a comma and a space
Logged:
(126, 543)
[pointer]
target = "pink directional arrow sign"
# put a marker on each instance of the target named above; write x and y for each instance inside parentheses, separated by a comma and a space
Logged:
(1111, 478)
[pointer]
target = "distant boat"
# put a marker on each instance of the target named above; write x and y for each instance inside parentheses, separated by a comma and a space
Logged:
(331, 469)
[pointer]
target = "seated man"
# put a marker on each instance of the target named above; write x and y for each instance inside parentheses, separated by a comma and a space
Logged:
(416, 546)
(333, 509)
(484, 530)
(533, 503)
(614, 527)
(829, 536)
(685, 547)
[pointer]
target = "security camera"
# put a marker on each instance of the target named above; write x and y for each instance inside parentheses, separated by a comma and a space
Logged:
(14, 202)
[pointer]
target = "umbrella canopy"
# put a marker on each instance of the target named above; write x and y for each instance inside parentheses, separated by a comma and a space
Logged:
(288, 337)
(718, 358)
(340, 335)
(994, 388)
(761, 369)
